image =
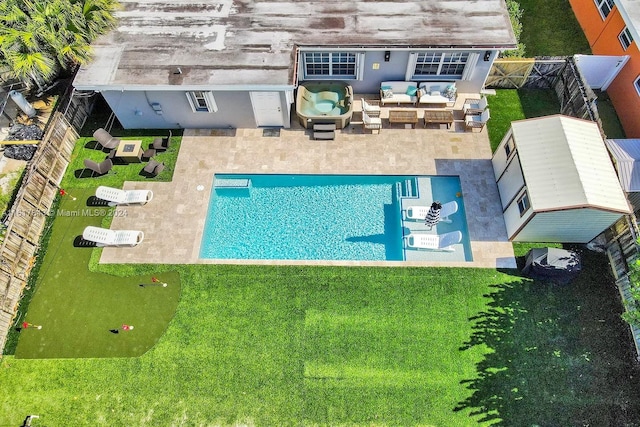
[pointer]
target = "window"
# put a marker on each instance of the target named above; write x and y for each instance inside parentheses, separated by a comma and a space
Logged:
(341, 64)
(440, 63)
(625, 38)
(523, 203)
(509, 147)
(604, 6)
(636, 83)
(202, 101)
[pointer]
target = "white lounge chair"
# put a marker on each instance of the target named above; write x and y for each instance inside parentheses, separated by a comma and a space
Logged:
(115, 196)
(105, 237)
(419, 213)
(473, 121)
(371, 123)
(370, 109)
(435, 242)
(474, 106)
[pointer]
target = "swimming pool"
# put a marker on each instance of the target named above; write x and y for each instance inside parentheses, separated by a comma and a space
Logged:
(312, 217)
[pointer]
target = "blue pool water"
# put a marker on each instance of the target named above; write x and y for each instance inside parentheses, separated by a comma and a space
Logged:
(309, 217)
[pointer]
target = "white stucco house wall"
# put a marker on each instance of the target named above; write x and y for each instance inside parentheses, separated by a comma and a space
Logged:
(237, 63)
(556, 181)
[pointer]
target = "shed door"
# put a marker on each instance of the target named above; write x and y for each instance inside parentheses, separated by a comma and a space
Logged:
(600, 70)
(267, 109)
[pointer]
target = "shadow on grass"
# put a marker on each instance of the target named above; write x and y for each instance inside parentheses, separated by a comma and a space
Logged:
(558, 355)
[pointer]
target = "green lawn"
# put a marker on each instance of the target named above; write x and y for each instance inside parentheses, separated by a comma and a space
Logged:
(78, 309)
(550, 28)
(354, 346)
(87, 148)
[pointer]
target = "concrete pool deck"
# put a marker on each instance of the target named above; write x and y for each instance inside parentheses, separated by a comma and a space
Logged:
(174, 220)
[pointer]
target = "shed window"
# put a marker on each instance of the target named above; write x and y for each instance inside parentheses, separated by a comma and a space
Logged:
(604, 6)
(440, 63)
(625, 38)
(523, 203)
(510, 147)
(636, 83)
(202, 101)
(341, 64)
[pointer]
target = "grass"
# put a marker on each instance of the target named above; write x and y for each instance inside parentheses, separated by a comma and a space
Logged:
(86, 148)
(78, 312)
(610, 122)
(354, 346)
(550, 28)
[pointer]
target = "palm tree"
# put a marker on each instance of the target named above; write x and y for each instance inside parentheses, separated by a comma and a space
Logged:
(39, 38)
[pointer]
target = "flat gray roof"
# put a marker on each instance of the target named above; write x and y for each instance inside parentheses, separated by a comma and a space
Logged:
(228, 42)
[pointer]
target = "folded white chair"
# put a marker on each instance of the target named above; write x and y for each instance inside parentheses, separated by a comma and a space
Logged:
(370, 109)
(436, 242)
(419, 213)
(116, 196)
(106, 237)
(372, 123)
(474, 106)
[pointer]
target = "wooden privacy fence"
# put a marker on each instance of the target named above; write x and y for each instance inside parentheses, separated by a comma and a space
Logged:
(561, 74)
(26, 220)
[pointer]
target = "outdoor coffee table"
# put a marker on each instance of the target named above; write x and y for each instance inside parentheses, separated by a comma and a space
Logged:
(438, 116)
(130, 151)
(403, 116)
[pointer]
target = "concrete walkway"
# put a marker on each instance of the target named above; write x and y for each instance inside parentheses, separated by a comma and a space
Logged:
(174, 220)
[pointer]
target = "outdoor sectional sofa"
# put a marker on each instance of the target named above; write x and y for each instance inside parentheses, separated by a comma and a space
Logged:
(408, 92)
(398, 93)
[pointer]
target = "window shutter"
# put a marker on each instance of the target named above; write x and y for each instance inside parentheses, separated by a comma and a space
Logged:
(472, 61)
(411, 66)
(360, 66)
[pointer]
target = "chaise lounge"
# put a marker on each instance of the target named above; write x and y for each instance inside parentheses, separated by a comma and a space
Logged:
(419, 213)
(116, 196)
(106, 237)
(435, 242)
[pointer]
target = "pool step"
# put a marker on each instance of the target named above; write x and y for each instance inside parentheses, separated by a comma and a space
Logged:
(408, 188)
(232, 183)
(325, 131)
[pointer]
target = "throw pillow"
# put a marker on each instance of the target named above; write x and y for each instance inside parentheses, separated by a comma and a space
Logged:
(450, 91)
(435, 93)
(385, 87)
(420, 92)
(411, 90)
(387, 93)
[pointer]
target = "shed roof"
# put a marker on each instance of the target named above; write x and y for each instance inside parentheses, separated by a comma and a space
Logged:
(566, 165)
(626, 153)
(227, 42)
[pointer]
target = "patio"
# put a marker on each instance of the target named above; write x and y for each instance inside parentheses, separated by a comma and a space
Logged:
(173, 222)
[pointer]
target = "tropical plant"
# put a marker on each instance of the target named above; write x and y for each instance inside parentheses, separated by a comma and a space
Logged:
(632, 303)
(515, 15)
(39, 39)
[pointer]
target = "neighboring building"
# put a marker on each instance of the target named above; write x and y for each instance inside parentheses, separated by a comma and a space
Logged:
(626, 159)
(556, 181)
(172, 64)
(611, 27)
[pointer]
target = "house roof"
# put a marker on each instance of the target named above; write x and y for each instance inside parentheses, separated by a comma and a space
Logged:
(626, 153)
(565, 165)
(227, 42)
(630, 11)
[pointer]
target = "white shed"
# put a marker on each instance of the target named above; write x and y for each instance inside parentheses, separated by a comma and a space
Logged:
(556, 181)
(626, 159)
